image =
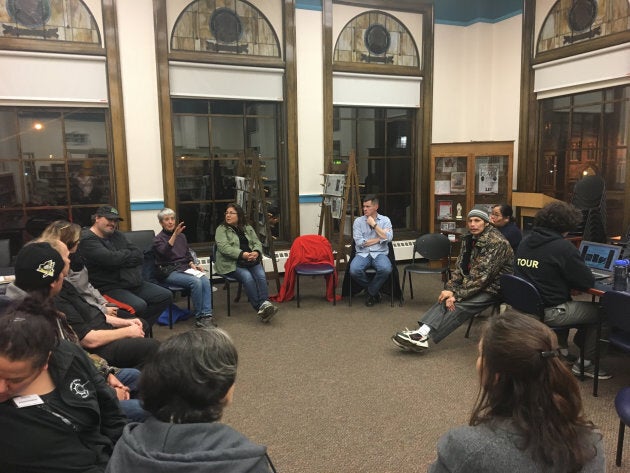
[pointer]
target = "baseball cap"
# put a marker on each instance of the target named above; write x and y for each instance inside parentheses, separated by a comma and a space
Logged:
(37, 265)
(108, 212)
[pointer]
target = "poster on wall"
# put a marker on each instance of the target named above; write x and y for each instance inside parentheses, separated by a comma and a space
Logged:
(458, 183)
(488, 182)
(445, 210)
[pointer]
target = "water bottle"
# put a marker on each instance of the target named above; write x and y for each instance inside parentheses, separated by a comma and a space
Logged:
(620, 275)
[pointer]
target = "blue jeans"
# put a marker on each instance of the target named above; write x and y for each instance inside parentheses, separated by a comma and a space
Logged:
(131, 408)
(199, 288)
(254, 282)
(380, 263)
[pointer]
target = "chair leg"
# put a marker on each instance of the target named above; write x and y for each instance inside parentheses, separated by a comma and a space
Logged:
(410, 286)
(596, 360)
(334, 277)
(622, 428)
(350, 292)
(229, 299)
(170, 316)
(298, 289)
(391, 289)
(472, 319)
(402, 289)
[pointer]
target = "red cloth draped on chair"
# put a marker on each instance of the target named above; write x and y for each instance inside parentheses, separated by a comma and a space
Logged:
(307, 249)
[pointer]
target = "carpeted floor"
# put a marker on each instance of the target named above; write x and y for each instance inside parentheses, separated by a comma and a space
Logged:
(326, 390)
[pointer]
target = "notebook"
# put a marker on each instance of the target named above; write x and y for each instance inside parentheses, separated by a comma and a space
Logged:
(599, 257)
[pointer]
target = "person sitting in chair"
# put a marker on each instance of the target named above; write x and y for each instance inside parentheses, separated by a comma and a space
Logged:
(473, 286)
(173, 260)
(372, 233)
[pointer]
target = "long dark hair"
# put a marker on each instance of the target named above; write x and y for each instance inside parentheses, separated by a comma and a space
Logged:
(28, 332)
(189, 377)
(523, 379)
(240, 213)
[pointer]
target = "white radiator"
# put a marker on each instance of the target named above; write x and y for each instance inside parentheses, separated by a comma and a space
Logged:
(403, 250)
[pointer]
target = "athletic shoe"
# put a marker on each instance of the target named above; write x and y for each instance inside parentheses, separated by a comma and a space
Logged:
(206, 321)
(410, 340)
(589, 371)
(267, 311)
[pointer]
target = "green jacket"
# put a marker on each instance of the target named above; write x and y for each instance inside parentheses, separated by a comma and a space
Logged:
(229, 247)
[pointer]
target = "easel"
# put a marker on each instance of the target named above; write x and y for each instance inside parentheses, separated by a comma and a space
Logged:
(350, 205)
(254, 203)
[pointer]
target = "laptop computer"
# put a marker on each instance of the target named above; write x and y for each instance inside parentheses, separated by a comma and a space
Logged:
(599, 257)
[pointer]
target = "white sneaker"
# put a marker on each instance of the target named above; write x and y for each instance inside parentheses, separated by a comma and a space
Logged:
(408, 339)
(263, 306)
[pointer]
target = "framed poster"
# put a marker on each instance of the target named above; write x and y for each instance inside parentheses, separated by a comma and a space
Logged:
(447, 226)
(442, 187)
(488, 179)
(445, 210)
(458, 183)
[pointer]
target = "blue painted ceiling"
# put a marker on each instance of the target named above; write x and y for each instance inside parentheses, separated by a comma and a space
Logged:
(465, 12)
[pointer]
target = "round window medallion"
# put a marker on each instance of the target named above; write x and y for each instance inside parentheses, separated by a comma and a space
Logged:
(29, 13)
(226, 25)
(582, 14)
(377, 39)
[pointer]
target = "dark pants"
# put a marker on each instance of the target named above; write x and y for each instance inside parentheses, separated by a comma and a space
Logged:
(443, 321)
(128, 352)
(148, 300)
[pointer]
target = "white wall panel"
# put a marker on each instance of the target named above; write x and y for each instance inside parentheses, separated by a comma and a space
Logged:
(376, 90)
(53, 79)
(590, 71)
(230, 82)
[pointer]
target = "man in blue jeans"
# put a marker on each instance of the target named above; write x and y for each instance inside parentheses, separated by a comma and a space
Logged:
(372, 233)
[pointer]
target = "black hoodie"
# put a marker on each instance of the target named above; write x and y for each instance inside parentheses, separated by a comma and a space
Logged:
(553, 265)
(187, 448)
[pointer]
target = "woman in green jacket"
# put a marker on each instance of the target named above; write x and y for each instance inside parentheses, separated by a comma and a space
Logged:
(239, 255)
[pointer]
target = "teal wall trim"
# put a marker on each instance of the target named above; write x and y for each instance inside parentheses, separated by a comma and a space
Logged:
(310, 199)
(477, 20)
(309, 5)
(147, 205)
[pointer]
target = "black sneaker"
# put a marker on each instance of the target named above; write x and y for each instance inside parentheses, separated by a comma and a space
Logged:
(371, 300)
(410, 340)
(205, 322)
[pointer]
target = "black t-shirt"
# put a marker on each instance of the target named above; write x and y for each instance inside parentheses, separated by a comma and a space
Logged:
(46, 438)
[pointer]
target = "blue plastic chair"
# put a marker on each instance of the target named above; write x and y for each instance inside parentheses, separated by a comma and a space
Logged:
(622, 406)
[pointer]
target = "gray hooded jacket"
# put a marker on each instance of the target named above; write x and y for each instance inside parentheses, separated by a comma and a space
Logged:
(191, 448)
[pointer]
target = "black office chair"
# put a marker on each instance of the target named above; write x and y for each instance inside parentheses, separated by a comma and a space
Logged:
(523, 296)
(227, 281)
(143, 239)
(431, 247)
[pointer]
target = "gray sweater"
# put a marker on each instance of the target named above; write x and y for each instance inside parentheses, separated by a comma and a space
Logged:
(486, 450)
(187, 448)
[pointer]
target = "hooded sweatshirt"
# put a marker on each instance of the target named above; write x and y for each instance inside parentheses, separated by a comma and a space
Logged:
(186, 448)
(553, 265)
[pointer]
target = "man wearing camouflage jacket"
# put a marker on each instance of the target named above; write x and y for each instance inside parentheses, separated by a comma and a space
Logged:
(473, 286)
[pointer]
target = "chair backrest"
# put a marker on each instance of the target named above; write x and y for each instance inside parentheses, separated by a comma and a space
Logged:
(432, 246)
(617, 307)
(522, 295)
(5, 253)
(143, 239)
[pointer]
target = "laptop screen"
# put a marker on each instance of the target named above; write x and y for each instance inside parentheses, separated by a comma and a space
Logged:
(599, 255)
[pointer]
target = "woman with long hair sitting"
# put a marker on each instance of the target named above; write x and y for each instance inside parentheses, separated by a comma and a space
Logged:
(528, 416)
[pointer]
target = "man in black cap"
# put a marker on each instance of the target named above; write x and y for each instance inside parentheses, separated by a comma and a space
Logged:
(115, 267)
(473, 286)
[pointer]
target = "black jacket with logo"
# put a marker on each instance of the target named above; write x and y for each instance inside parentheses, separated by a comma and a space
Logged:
(77, 433)
(553, 265)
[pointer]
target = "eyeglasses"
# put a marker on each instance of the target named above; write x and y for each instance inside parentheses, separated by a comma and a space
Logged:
(231, 213)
